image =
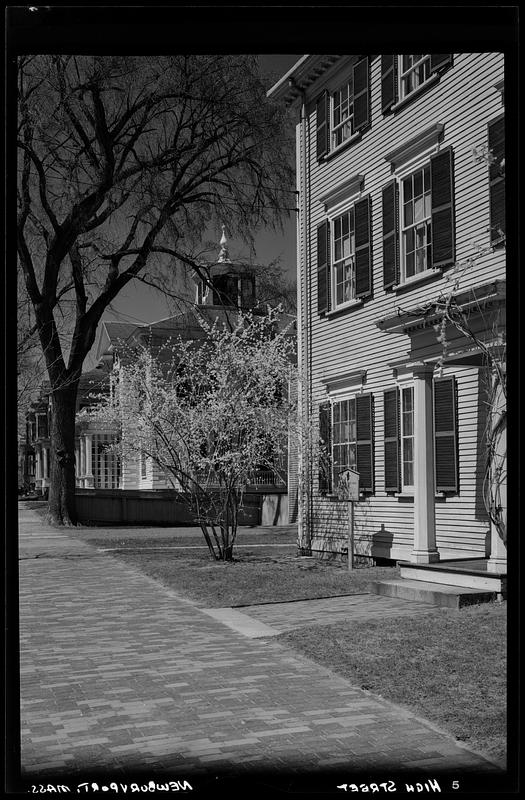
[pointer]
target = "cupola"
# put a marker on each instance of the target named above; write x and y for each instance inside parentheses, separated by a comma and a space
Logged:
(229, 284)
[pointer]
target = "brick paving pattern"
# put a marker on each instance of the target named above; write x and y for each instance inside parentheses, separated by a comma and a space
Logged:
(119, 673)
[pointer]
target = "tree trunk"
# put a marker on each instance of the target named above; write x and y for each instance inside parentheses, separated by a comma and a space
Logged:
(62, 505)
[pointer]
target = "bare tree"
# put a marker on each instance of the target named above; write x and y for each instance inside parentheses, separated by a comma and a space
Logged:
(123, 163)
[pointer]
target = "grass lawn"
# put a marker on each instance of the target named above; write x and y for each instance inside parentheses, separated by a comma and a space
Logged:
(261, 574)
(448, 666)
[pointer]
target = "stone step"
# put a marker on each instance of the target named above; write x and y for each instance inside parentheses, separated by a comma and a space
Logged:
(432, 593)
(482, 581)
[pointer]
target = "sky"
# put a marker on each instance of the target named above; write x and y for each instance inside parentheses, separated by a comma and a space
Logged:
(137, 303)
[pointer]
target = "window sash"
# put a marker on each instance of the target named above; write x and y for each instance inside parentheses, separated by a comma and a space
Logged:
(342, 114)
(344, 437)
(105, 465)
(343, 258)
(414, 71)
(416, 223)
(407, 438)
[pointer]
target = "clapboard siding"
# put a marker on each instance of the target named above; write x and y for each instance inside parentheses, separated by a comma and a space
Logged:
(464, 100)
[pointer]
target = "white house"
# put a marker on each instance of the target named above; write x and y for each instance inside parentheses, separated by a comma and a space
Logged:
(400, 173)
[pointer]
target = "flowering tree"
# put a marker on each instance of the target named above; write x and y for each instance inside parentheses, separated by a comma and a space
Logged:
(209, 414)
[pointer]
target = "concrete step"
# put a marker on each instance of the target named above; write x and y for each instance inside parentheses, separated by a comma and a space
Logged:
(483, 581)
(432, 593)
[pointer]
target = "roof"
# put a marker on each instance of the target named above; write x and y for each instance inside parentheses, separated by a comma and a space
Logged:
(303, 73)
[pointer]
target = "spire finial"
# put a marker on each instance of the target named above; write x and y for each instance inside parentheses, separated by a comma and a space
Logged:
(223, 254)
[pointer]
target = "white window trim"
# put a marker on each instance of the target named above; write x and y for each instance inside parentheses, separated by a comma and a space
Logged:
(407, 489)
(408, 168)
(400, 75)
(334, 147)
(337, 211)
(340, 398)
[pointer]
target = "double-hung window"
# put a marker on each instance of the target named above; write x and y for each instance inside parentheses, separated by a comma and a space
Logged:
(342, 114)
(343, 437)
(346, 434)
(403, 76)
(416, 223)
(344, 111)
(344, 258)
(418, 219)
(414, 71)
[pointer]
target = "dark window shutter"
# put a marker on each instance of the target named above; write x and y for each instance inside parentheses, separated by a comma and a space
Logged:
(323, 267)
(390, 235)
(322, 124)
(361, 94)
(363, 247)
(388, 82)
(392, 456)
(325, 450)
(439, 61)
(496, 131)
(364, 442)
(442, 192)
(445, 435)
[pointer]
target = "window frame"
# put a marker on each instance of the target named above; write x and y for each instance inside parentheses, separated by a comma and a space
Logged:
(425, 223)
(339, 400)
(424, 60)
(333, 145)
(406, 488)
(338, 214)
(408, 169)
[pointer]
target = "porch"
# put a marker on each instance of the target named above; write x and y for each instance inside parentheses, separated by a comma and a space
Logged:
(453, 583)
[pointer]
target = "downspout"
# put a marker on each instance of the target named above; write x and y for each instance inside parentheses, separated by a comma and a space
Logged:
(303, 344)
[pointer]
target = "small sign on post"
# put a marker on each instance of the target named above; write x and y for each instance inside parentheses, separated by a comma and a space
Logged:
(348, 489)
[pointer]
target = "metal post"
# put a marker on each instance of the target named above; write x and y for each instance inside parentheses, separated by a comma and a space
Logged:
(350, 535)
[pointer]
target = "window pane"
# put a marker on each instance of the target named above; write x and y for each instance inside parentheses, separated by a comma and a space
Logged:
(344, 410)
(419, 209)
(345, 224)
(421, 261)
(409, 240)
(351, 455)
(336, 412)
(408, 474)
(418, 184)
(409, 265)
(409, 214)
(407, 189)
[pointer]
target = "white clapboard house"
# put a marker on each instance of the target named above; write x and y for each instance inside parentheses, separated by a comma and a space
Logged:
(400, 173)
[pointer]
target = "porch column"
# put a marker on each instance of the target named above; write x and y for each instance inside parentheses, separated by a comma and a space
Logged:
(425, 550)
(498, 549)
(89, 482)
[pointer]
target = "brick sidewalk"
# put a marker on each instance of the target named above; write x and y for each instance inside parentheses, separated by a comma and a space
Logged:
(118, 673)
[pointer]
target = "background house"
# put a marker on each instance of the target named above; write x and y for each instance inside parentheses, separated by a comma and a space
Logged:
(137, 490)
(401, 184)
